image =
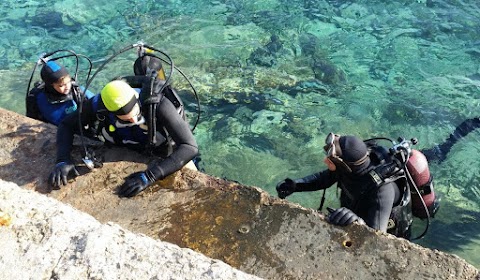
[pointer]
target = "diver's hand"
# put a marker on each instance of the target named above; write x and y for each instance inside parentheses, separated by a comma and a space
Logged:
(343, 217)
(135, 183)
(286, 188)
(60, 173)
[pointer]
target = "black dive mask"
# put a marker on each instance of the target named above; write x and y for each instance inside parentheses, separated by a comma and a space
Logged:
(331, 143)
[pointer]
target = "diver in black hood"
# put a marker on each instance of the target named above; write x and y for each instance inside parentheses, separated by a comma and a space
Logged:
(362, 199)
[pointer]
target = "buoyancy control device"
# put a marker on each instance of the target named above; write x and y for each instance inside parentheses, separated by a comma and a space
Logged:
(417, 166)
(32, 110)
(401, 160)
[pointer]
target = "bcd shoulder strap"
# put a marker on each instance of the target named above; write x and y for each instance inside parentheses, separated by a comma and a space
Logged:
(32, 109)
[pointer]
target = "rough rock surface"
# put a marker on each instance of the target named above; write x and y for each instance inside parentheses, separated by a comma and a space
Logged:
(240, 225)
(50, 240)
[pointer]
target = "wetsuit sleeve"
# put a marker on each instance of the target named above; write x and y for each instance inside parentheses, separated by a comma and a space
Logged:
(51, 113)
(185, 145)
(69, 127)
(381, 206)
(440, 152)
(317, 181)
(460, 131)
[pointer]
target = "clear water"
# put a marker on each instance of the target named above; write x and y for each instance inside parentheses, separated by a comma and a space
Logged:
(275, 76)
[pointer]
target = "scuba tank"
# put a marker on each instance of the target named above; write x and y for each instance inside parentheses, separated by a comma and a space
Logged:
(417, 165)
(413, 166)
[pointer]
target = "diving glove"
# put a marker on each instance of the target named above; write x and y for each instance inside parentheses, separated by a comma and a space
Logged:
(343, 217)
(60, 174)
(286, 188)
(136, 183)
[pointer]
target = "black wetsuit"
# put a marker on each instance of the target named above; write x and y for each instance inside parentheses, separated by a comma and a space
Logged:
(440, 152)
(44, 103)
(169, 124)
(359, 193)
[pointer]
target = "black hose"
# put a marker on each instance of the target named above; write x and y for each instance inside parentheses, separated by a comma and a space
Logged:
(167, 80)
(44, 58)
(424, 206)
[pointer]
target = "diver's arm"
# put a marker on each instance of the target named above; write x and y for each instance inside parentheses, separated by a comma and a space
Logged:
(440, 152)
(318, 181)
(68, 127)
(314, 182)
(186, 146)
(460, 131)
(65, 134)
(381, 206)
(64, 166)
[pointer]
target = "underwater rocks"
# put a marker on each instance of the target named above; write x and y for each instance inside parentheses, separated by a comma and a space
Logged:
(322, 67)
(242, 226)
(267, 55)
(327, 72)
(57, 24)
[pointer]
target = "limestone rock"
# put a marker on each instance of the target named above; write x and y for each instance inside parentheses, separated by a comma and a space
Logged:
(240, 225)
(50, 240)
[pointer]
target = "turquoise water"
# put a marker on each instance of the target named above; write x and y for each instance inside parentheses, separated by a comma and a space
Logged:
(275, 77)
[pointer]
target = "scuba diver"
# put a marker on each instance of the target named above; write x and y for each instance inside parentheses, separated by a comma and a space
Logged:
(377, 184)
(57, 95)
(141, 112)
(439, 152)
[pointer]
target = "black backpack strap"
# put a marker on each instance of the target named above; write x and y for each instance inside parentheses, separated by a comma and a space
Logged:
(32, 109)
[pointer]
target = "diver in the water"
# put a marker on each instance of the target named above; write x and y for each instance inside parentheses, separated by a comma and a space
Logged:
(56, 96)
(439, 152)
(374, 187)
(125, 113)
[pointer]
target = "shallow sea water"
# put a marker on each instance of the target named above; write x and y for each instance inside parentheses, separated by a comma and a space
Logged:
(275, 77)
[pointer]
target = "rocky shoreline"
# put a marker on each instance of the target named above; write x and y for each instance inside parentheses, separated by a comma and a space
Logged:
(241, 226)
(47, 239)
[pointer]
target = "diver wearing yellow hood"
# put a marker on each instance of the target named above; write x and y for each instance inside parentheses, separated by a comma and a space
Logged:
(123, 113)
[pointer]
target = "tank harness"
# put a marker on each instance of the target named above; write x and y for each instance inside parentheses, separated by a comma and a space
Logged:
(131, 135)
(408, 168)
(67, 104)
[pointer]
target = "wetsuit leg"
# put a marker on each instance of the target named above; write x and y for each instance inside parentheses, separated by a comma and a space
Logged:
(439, 152)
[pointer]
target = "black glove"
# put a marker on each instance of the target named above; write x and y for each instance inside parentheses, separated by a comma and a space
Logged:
(343, 217)
(135, 183)
(285, 188)
(60, 173)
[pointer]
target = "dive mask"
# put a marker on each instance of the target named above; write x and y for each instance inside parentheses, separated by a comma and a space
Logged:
(137, 118)
(331, 143)
(329, 147)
